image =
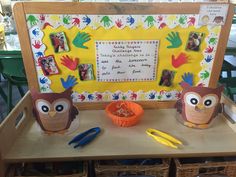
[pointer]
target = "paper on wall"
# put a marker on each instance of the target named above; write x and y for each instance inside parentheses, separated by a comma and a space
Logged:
(130, 60)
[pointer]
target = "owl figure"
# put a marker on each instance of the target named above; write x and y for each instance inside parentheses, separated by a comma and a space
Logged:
(54, 111)
(199, 105)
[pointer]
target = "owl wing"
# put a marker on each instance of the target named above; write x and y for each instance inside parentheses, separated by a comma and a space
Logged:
(178, 106)
(219, 109)
(74, 113)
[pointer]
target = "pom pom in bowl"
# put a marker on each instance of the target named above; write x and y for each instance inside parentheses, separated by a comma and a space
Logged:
(124, 113)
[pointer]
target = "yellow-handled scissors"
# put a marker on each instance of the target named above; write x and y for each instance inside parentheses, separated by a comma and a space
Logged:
(163, 138)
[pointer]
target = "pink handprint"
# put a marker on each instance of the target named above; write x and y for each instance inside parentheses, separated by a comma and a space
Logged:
(37, 44)
(133, 96)
(81, 97)
(69, 62)
(162, 25)
(42, 17)
(160, 18)
(191, 21)
(76, 21)
(209, 49)
(98, 96)
(119, 23)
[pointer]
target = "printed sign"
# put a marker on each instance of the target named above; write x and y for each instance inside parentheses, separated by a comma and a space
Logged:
(131, 60)
(213, 14)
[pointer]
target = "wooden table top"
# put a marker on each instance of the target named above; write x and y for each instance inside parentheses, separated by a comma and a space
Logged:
(117, 142)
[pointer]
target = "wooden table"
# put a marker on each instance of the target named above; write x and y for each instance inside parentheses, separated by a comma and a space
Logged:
(27, 143)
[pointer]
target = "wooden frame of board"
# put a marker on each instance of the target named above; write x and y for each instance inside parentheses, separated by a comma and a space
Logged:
(21, 9)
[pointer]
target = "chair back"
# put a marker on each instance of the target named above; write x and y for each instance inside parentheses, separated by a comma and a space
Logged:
(12, 67)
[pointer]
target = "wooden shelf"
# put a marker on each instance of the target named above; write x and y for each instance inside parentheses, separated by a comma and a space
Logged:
(26, 142)
(117, 142)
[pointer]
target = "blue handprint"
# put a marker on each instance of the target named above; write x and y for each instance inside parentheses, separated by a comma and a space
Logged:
(86, 20)
(130, 20)
(43, 80)
(39, 54)
(115, 96)
(70, 82)
(35, 32)
(208, 58)
(188, 77)
(168, 95)
(90, 97)
(152, 96)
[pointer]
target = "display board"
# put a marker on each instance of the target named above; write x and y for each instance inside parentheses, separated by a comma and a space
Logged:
(122, 54)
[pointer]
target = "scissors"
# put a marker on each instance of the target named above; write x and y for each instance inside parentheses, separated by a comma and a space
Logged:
(85, 137)
(163, 138)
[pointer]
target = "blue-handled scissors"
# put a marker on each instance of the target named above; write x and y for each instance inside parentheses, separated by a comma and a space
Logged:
(85, 137)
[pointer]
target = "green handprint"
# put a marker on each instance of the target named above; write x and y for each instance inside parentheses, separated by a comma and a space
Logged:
(182, 19)
(212, 41)
(80, 39)
(43, 89)
(123, 97)
(174, 39)
(204, 75)
(150, 20)
(106, 21)
(66, 19)
(32, 19)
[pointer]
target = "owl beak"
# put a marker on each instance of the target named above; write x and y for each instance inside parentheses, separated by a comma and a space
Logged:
(52, 113)
(199, 107)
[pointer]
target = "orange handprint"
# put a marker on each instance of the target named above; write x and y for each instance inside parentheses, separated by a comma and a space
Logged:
(180, 60)
(69, 62)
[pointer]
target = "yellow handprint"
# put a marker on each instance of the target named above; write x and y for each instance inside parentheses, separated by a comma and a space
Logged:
(216, 29)
(55, 18)
(171, 18)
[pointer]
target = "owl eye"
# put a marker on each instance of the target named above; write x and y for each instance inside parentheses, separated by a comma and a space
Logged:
(61, 106)
(192, 99)
(43, 107)
(210, 101)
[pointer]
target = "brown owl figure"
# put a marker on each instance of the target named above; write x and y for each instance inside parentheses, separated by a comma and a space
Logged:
(54, 111)
(199, 105)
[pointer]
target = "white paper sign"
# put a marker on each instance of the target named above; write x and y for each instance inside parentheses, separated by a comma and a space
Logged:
(213, 14)
(130, 60)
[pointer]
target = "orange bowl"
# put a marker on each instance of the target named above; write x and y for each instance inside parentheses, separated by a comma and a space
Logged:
(136, 109)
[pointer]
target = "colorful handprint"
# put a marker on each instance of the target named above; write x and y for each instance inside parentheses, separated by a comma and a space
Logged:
(66, 19)
(204, 75)
(86, 20)
(32, 20)
(130, 20)
(80, 39)
(174, 39)
(188, 77)
(37, 44)
(69, 62)
(150, 21)
(70, 82)
(180, 60)
(106, 21)
(208, 58)
(76, 21)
